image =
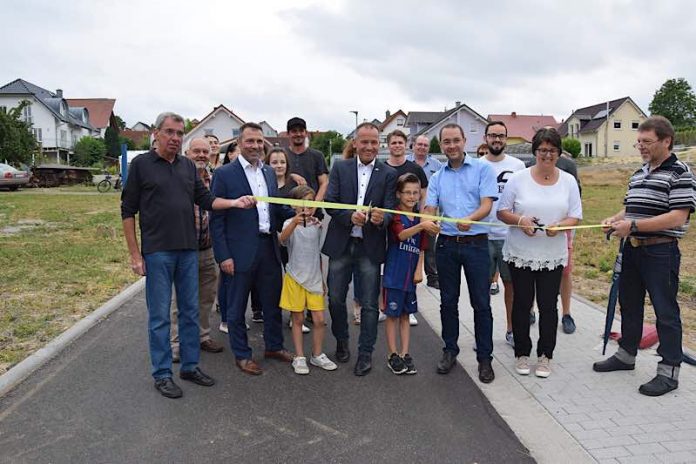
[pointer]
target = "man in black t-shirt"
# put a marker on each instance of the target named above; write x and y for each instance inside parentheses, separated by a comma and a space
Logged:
(306, 164)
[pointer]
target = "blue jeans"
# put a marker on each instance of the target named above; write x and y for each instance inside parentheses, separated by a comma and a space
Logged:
(473, 257)
(367, 277)
(654, 268)
(165, 268)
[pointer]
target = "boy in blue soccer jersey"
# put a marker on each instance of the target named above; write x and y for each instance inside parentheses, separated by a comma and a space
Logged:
(403, 269)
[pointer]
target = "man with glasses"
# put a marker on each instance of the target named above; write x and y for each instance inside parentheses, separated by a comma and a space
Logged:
(162, 188)
(430, 166)
(660, 199)
(503, 167)
(465, 188)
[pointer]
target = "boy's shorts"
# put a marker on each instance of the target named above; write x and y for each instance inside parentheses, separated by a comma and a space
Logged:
(296, 298)
(398, 302)
(495, 252)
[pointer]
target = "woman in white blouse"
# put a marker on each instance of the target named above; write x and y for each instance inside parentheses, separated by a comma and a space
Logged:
(541, 195)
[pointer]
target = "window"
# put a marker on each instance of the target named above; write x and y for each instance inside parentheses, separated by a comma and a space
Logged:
(617, 145)
(235, 132)
(588, 149)
(617, 125)
(37, 134)
(473, 128)
(634, 125)
(63, 138)
(400, 122)
(26, 113)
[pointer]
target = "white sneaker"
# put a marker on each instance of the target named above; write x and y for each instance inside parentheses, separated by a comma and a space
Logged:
(324, 362)
(412, 319)
(522, 365)
(305, 329)
(299, 364)
(223, 327)
(543, 368)
(382, 317)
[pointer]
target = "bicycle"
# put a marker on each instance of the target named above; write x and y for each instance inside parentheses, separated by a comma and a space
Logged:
(105, 185)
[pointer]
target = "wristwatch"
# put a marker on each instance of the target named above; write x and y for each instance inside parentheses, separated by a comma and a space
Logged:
(634, 227)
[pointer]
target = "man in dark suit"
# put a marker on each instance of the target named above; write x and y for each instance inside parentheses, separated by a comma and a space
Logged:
(357, 240)
(246, 247)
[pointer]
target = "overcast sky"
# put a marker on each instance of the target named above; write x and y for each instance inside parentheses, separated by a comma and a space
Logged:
(271, 60)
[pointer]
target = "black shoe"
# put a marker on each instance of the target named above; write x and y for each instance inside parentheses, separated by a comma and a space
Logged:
(168, 388)
(257, 316)
(396, 364)
(532, 318)
(446, 363)
(486, 374)
(434, 283)
(612, 364)
(410, 367)
(658, 386)
(364, 364)
(568, 324)
(198, 377)
(342, 351)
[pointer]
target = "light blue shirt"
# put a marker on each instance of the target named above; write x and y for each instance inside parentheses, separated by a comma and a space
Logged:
(458, 192)
(431, 166)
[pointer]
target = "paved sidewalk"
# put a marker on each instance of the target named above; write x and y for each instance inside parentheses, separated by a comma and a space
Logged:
(578, 415)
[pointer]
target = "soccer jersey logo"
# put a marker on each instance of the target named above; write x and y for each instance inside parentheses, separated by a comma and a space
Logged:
(393, 306)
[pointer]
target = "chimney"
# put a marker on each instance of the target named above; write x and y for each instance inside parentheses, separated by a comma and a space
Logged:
(59, 93)
(457, 104)
(387, 114)
(514, 114)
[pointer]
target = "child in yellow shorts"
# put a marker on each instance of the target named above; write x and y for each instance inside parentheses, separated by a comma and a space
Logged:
(303, 285)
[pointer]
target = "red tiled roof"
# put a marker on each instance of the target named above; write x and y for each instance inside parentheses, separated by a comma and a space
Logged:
(136, 136)
(100, 109)
(524, 125)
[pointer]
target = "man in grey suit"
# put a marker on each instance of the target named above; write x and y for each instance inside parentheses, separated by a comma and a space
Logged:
(356, 240)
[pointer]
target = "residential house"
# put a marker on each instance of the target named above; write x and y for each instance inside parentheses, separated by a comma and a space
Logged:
(605, 129)
(140, 126)
(391, 123)
(268, 130)
(220, 122)
(429, 123)
(522, 127)
(56, 125)
(139, 137)
(101, 112)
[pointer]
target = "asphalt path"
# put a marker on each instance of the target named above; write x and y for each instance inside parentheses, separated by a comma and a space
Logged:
(95, 403)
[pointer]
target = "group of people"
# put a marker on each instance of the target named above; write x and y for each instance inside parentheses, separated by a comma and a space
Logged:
(200, 219)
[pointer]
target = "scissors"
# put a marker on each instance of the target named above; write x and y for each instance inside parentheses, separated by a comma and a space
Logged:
(539, 225)
(369, 213)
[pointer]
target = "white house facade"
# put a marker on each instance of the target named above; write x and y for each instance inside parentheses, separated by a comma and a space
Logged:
(221, 122)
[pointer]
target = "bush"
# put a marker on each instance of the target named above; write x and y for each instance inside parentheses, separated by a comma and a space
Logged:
(572, 146)
(434, 146)
(89, 151)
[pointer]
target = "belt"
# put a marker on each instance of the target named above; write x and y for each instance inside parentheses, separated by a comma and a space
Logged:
(465, 238)
(639, 242)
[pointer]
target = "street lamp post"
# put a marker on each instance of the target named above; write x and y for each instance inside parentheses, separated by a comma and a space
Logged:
(355, 112)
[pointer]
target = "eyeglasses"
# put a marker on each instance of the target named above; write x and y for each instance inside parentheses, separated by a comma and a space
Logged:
(172, 132)
(546, 152)
(644, 143)
(496, 136)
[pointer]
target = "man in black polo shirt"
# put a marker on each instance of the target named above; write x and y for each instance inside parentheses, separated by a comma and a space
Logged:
(661, 196)
(162, 187)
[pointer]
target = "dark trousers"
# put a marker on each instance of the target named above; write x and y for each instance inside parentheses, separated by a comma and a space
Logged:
(473, 257)
(654, 268)
(265, 274)
(430, 262)
(545, 284)
(354, 262)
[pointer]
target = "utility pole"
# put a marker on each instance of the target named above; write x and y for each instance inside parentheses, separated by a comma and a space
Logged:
(355, 112)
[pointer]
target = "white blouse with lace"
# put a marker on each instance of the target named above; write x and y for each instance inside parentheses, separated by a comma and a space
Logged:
(550, 204)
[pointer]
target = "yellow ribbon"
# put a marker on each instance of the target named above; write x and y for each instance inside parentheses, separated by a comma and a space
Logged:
(430, 217)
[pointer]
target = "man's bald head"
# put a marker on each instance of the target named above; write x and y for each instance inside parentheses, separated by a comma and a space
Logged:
(198, 151)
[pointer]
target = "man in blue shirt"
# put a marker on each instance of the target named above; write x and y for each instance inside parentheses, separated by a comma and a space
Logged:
(464, 188)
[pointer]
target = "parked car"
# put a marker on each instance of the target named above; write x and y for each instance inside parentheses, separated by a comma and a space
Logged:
(12, 178)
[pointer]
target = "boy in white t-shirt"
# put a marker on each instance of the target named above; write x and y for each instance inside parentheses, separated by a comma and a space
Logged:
(503, 166)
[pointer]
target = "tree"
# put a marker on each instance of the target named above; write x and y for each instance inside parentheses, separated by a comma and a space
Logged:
(17, 142)
(120, 123)
(113, 146)
(434, 146)
(89, 151)
(328, 143)
(188, 125)
(572, 146)
(129, 143)
(676, 101)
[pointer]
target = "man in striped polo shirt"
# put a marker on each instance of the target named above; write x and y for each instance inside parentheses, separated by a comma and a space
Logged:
(661, 196)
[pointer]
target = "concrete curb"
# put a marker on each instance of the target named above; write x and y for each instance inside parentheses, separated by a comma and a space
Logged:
(21, 371)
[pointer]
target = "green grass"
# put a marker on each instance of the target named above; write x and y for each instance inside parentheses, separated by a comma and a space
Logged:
(54, 274)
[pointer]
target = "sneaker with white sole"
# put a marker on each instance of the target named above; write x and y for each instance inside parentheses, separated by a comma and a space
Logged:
(305, 329)
(324, 362)
(299, 364)
(223, 327)
(509, 339)
(412, 319)
(522, 365)
(543, 368)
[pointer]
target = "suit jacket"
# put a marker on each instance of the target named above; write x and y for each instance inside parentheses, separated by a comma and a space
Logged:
(235, 231)
(343, 188)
